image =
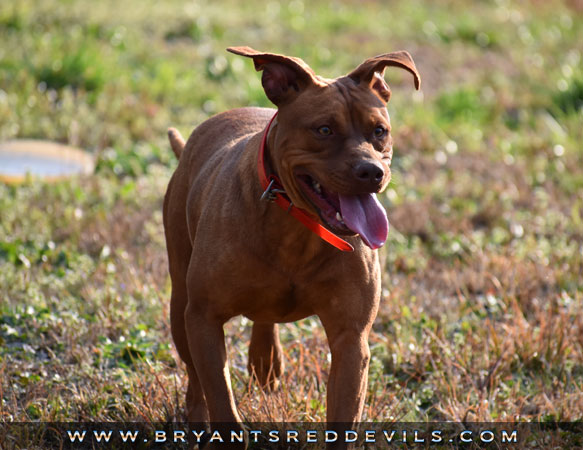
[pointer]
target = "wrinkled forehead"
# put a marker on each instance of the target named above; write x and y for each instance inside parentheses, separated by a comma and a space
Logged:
(342, 99)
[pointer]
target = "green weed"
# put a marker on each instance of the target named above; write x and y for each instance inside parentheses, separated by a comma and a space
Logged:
(482, 299)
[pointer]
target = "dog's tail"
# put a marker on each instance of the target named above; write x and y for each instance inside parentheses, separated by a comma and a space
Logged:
(176, 141)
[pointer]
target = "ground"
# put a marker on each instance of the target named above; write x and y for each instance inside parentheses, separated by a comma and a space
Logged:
(482, 308)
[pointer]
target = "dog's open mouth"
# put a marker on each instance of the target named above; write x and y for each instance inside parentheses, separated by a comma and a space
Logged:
(347, 214)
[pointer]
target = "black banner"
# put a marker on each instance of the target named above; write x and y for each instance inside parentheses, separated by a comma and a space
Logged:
(289, 435)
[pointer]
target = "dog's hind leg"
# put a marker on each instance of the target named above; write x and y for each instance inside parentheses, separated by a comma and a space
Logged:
(265, 355)
(179, 254)
(196, 406)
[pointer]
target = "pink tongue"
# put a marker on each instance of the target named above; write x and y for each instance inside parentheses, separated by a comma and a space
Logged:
(364, 215)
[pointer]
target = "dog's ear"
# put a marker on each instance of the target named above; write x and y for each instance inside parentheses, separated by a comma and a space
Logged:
(283, 76)
(372, 72)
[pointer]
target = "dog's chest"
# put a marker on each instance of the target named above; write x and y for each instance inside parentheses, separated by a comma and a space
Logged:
(278, 299)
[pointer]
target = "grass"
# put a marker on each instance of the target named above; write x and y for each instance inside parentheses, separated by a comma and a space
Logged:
(481, 317)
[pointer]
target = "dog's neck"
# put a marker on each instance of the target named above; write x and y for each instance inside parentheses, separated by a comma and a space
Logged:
(269, 145)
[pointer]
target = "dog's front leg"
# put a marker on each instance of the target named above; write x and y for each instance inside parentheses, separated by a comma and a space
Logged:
(347, 382)
(348, 375)
(206, 341)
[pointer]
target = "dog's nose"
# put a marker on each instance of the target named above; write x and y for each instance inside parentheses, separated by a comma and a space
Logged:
(369, 173)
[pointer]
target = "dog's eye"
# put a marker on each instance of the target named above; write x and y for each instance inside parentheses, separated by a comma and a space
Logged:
(379, 132)
(325, 131)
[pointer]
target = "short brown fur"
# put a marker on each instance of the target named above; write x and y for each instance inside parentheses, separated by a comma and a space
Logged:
(231, 254)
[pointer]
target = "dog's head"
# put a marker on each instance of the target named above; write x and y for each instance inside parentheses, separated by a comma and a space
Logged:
(331, 144)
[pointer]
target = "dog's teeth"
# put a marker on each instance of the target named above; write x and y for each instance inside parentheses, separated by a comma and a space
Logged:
(339, 217)
(317, 187)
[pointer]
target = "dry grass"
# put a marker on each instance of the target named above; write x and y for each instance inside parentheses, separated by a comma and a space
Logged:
(481, 317)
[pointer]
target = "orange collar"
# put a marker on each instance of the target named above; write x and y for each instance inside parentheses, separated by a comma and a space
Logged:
(273, 191)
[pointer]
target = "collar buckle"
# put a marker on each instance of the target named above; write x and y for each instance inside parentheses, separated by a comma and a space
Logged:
(270, 193)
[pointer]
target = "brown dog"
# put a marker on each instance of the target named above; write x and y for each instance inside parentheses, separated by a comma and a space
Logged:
(230, 253)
